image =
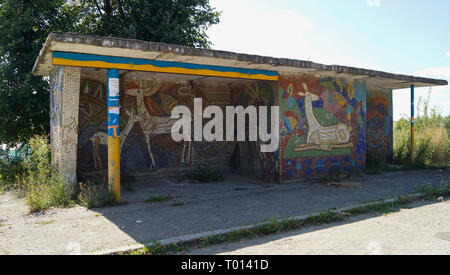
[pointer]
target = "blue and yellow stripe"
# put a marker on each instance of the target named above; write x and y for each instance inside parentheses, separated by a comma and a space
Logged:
(137, 64)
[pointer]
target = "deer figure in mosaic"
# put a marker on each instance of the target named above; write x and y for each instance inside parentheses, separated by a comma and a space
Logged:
(323, 137)
(151, 125)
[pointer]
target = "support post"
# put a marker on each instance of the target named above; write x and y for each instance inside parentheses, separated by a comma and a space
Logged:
(412, 124)
(113, 133)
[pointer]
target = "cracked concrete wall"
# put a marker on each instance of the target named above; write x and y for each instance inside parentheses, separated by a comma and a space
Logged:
(380, 125)
(56, 86)
(64, 149)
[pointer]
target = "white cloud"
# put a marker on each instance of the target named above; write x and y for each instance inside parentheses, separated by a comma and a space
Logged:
(262, 28)
(253, 27)
(439, 96)
(373, 3)
(447, 53)
(258, 27)
(435, 72)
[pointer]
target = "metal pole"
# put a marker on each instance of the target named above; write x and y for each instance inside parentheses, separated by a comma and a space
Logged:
(412, 124)
(113, 133)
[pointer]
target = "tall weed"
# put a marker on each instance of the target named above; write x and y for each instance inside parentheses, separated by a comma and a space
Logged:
(432, 144)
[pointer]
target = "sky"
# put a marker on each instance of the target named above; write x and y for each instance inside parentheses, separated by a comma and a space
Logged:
(400, 36)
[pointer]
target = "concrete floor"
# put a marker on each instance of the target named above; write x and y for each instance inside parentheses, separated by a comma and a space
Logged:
(195, 208)
(422, 230)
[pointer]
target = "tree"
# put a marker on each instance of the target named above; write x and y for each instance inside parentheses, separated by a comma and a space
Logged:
(24, 98)
(24, 26)
(181, 22)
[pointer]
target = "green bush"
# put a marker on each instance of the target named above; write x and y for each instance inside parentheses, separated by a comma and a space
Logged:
(432, 144)
(42, 186)
(206, 174)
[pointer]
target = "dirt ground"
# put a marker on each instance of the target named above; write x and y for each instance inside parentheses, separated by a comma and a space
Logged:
(193, 208)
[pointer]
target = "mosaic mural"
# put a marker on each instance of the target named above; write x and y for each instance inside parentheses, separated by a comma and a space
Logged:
(252, 161)
(380, 124)
(56, 84)
(146, 144)
(322, 126)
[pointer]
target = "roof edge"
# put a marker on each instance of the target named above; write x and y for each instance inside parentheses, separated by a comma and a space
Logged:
(139, 45)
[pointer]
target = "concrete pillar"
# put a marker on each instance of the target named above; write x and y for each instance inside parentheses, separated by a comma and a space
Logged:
(114, 133)
(70, 101)
(412, 125)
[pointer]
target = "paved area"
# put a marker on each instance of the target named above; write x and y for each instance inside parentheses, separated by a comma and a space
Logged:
(194, 208)
(424, 230)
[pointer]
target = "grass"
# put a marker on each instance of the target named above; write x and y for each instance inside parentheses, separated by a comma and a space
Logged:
(159, 249)
(95, 196)
(31, 174)
(431, 192)
(178, 204)
(206, 174)
(432, 143)
(276, 226)
(44, 222)
(158, 199)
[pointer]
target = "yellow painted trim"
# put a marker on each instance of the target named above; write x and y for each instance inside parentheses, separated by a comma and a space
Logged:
(114, 166)
(151, 68)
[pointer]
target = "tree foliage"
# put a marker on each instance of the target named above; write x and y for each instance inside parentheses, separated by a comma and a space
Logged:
(24, 26)
(24, 98)
(181, 22)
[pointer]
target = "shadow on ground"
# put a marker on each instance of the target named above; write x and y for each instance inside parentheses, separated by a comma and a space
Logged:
(195, 208)
(192, 208)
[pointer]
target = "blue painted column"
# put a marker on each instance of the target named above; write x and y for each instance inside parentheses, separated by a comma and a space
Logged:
(114, 133)
(412, 124)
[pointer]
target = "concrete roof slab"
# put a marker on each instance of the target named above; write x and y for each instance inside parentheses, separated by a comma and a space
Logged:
(74, 43)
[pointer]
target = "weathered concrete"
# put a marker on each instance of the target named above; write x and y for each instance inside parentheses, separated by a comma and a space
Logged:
(204, 207)
(150, 50)
(69, 126)
(421, 230)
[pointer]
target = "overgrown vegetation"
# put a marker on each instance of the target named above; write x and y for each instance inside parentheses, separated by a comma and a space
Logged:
(159, 249)
(432, 192)
(206, 174)
(95, 195)
(432, 143)
(31, 174)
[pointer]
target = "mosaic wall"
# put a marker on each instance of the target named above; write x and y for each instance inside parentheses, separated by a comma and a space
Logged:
(380, 124)
(56, 86)
(323, 127)
(145, 123)
(251, 160)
